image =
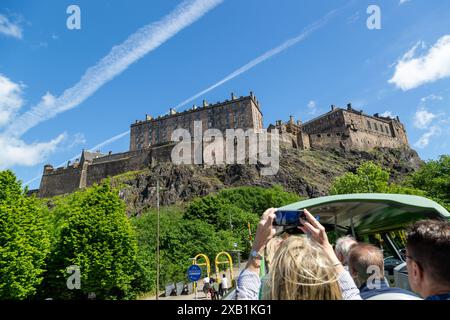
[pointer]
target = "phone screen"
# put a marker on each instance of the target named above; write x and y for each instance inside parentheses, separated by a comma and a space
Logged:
(287, 218)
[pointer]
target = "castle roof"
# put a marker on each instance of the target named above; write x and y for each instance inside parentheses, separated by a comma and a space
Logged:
(351, 110)
(89, 156)
(173, 113)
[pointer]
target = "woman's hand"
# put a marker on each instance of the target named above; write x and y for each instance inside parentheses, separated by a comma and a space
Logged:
(265, 230)
(317, 232)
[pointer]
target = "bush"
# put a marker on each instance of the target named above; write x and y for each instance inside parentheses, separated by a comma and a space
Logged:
(24, 240)
(98, 238)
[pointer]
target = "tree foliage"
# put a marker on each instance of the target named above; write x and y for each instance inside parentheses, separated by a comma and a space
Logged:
(369, 178)
(434, 179)
(24, 240)
(96, 236)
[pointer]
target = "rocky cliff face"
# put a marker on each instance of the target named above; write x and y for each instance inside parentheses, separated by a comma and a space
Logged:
(305, 172)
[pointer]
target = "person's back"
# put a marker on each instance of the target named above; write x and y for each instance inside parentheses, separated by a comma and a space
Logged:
(366, 265)
(224, 283)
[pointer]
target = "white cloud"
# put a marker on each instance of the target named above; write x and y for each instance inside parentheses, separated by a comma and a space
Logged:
(411, 72)
(77, 139)
(10, 99)
(424, 140)
(115, 62)
(9, 28)
(16, 152)
(423, 118)
(388, 114)
(432, 97)
(312, 107)
(403, 1)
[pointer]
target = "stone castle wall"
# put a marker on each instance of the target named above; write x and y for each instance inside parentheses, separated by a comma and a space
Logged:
(240, 112)
(113, 165)
(60, 181)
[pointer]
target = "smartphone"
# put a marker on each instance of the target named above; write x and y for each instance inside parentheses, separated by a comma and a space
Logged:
(288, 217)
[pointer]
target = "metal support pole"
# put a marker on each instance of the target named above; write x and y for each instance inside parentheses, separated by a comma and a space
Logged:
(157, 241)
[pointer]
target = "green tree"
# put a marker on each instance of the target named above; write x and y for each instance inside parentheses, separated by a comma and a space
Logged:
(369, 178)
(180, 240)
(24, 240)
(434, 179)
(98, 238)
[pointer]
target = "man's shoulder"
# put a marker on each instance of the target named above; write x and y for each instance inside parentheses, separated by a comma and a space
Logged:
(369, 293)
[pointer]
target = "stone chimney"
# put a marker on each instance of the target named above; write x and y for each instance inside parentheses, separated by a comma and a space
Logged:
(148, 117)
(48, 168)
(172, 111)
(349, 107)
(291, 119)
(110, 152)
(194, 107)
(299, 122)
(251, 94)
(333, 107)
(68, 163)
(233, 97)
(205, 103)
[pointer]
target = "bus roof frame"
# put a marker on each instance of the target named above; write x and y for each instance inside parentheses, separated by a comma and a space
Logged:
(369, 213)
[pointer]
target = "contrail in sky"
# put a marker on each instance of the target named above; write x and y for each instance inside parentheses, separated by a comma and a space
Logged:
(267, 55)
(114, 63)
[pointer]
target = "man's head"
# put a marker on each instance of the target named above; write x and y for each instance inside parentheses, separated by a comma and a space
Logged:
(364, 261)
(342, 248)
(428, 257)
(223, 275)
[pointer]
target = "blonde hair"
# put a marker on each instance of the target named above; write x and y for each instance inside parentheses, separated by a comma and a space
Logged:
(300, 270)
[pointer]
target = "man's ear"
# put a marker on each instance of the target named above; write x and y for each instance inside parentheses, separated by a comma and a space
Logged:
(419, 270)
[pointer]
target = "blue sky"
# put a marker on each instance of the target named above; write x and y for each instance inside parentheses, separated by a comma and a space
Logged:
(402, 69)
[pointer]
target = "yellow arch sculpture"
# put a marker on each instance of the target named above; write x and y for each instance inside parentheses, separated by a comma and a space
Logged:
(229, 261)
(206, 263)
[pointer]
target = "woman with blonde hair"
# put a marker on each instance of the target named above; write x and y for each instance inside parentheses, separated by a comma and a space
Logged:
(302, 267)
(301, 271)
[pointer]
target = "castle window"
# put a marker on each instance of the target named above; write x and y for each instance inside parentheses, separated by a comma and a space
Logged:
(328, 135)
(318, 136)
(387, 130)
(381, 128)
(376, 127)
(369, 125)
(338, 134)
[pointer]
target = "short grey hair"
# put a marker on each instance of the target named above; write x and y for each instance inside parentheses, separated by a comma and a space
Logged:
(343, 246)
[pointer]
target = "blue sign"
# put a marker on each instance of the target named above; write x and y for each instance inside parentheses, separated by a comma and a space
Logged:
(194, 272)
